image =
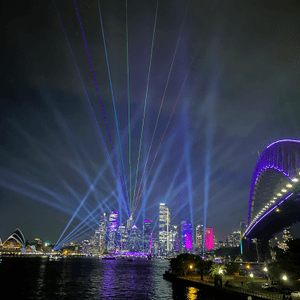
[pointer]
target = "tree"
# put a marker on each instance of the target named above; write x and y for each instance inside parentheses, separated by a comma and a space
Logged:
(185, 262)
(217, 269)
(233, 268)
(290, 260)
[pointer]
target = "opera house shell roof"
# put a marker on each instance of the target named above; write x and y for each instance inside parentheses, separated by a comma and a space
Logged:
(15, 241)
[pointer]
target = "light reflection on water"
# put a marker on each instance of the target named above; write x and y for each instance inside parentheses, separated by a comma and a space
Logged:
(89, 278)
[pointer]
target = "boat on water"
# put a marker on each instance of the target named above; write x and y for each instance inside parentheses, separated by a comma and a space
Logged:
(55, 258)
(108, 258)
(130, 259)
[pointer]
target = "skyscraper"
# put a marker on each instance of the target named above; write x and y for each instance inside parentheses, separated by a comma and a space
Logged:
(134, 240)
(122, 235)
(130, 223)
(173, 238)
(103, 232)
(147, 230)
(112, 230)
(199, 238)
(187, 235)
(209, 239)
(164, 223)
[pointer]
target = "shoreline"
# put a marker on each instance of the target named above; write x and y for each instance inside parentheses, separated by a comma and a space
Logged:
(209, 291)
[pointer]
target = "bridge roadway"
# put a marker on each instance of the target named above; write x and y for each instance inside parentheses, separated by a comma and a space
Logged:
(284, 213)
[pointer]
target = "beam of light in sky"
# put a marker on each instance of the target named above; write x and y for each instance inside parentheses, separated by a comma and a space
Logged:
(101, 103)
(162, 162)
(156, 123)
(91, 187)
(146, 97)
(87, 219)
(112, 96)
(93, 113)
(183, 84)
(128, 100)
(211, 99)
(33, 196)
(163, 136)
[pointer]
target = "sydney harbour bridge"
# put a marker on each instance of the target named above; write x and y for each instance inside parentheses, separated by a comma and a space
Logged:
(274, 201)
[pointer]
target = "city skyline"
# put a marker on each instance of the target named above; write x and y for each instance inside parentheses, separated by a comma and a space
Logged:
(176, 107)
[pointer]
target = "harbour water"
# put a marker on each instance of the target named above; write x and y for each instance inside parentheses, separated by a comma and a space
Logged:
(89, 278)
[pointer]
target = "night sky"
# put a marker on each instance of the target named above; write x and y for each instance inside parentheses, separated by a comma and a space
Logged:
(224, 81)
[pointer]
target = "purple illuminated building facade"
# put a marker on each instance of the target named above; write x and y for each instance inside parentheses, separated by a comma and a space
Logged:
(187, 235)
(113, 221)
(209, 239)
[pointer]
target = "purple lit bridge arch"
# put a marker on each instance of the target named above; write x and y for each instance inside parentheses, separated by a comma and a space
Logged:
(275, 187)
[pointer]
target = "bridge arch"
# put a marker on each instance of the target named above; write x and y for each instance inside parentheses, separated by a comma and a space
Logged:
(276, 171)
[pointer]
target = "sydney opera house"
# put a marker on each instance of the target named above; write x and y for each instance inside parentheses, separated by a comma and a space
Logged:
(15, 243)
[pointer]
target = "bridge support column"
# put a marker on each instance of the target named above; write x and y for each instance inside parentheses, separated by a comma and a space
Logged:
(263, 250)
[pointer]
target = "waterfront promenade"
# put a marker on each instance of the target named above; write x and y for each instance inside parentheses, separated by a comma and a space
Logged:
(237, 291)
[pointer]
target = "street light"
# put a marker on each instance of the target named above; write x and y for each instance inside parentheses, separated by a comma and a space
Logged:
(284, 278)
(251, 275)
(191, 266)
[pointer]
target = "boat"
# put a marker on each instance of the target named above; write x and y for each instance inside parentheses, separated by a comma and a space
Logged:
(108, 258)
(130, 259)
(55, 258)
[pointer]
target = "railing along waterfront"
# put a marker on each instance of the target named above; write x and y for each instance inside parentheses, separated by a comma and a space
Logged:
(246, 291)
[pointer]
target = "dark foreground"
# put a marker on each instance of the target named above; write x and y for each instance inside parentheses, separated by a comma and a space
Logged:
(210, 292)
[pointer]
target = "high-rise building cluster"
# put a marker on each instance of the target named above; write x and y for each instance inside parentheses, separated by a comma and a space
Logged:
(166, 238)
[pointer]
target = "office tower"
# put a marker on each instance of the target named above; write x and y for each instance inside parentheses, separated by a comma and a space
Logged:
(173, 238)
(134, 243)
(222, 244)
(130, 223)
(215, 242)
(209, 238)
(147, 230)
(233, 240)
(112, 230)
(164, 223)
(199, 238)
(103, 233)
(187, 235)
(122, 235)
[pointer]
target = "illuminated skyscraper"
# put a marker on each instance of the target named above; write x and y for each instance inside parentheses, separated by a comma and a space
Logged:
(199, 238)
(233, 240)
(134, 240)
(173, 238)
(187, 235)
(209, 239)
(130, 223)
(112, 230)
(122, 235)
(147, 234)
(164, 223)
(103, 233)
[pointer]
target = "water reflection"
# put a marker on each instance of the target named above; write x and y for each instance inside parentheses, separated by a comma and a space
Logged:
(91, 279)
(192, 293)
